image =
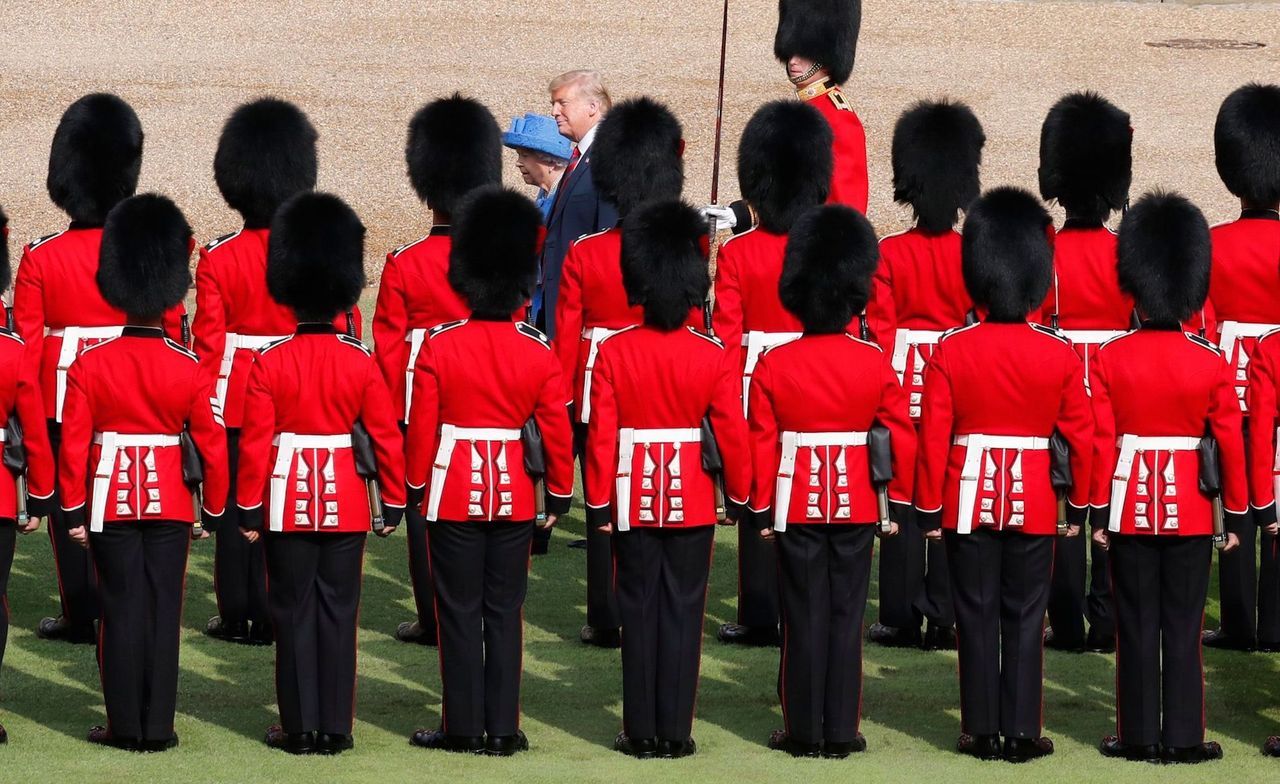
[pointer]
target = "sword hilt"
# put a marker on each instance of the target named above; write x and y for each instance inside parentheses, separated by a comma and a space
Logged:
(882, 508)
(1219, 524)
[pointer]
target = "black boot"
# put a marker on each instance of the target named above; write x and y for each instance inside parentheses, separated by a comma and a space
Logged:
(751, 636)
(676, 749)
(62, 630)
(1052, 640)
(841, 749)
(440, 741)
(228, 631)
(290, 742)
(333, 743)
(939, 638)
(1223, 641)
(893, 637)
(1097, 642)
(103, 737)
(779, 740)
(156, 746)
(983, 747)
(414, 632)
(1191, 755)
(640, 748)
(1271, 746)
(261, 633)
(506, 745)
(1112, 747)
(600, 638)
(1026, 749)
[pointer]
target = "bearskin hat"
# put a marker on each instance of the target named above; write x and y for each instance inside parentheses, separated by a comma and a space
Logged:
(825, 31)
(1164, 253)
(1246, 140)
(493, 261)
(785, 162)
(1086, 156)
(267, 153)
(95, 158)
(6, 269)
(826, 273)
(454, 147)
(664, 262)
(1006, 255)
(636, 155)
(937, 149)
(143, 265)
(315, 256)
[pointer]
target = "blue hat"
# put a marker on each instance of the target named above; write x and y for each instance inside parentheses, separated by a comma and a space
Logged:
(537, 132)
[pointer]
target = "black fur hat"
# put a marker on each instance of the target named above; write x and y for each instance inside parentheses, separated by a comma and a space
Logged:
(454, 147)
(784, 162)
(493, 261)
(1086, 156)
(143, 265)
(825, 31)
(1246, 140)
(937, 149)
(6, 269)
(826, 274)
(664, 262)
(95, 158)
(267, 153)
(315, 256)
(1007, 258)
(636, 155)
(1164, 253)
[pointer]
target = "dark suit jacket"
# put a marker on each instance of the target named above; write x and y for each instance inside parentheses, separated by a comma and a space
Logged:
(579, 210)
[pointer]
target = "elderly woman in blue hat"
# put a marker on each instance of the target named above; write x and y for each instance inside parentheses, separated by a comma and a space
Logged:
(541, 155)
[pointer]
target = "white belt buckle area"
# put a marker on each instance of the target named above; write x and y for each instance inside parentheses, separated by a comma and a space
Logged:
(1231, 333)
(628, 438)
(450, 435)
(236, 342)
(1129, 447)
(415, 338)
(976, 446)
(595, 335)
(755, 344)
(287, 446)
(111, 444)
(69, 350)
(791, 443)
(906, 339)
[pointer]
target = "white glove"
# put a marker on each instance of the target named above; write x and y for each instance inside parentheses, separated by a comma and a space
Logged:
(722, 215)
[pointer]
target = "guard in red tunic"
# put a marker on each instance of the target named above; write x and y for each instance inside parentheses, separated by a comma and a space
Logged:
(301, 485)
(126, 475)
(663, 394)
(636, 158)
(267, 153)
(815, 402)
(917, 295)
(93, 164)
(1086, 158)
(470, 458)
(1244, 291)
(1158, 394)
(782, 136)
(998, 395)
(20, 400)
(454, 147)
(817, 41)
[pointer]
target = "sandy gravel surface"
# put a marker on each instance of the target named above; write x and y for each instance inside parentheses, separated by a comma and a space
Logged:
(360, 69)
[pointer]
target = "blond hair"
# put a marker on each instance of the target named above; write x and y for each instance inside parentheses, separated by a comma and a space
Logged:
(589, 82)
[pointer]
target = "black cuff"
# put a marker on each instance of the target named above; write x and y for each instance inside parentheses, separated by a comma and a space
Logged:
(1236, 522)
(40, 507)
(416, 496)
(1099, 517)
(73, 518)
(598, 516)
(759, 520)
(558, 505)
(1264, 516)
(252, 519)
(214, 522)
(1077, 515)
(392, 515)
(900, 513)
(742, 216)
(928, 521)
(735, 511)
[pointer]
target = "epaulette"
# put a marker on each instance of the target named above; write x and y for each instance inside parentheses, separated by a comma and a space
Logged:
(406, 246)
(221, 240)
(1050, 331)
(275, 344)
(712, 339)
(839, 101)
(42, 240)
(356, 342)
(181, 349)
(1203, 343)
(445, 327)
(958, 330)
(98, 345)
(857, 339)
(530, 331)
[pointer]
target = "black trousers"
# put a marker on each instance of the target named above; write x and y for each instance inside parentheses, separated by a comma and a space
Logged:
(314, 596)
(424, 597)
(481, 573)
(8, 544)
(662, 594)
(602, 599)
(77, 583)
(757, 580)
(825, 571)
(1000, 585)
(1238, 579)
(239, 566)
(915, 583)
(1071, 601)
(1160, 588)
(142, 570)
(1269, 590)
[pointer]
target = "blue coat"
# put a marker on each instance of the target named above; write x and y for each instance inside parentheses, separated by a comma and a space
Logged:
(579, 210)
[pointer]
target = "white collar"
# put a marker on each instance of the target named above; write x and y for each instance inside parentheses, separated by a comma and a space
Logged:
(585, 144)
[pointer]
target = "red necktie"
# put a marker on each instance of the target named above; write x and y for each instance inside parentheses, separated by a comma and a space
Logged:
(564, 179)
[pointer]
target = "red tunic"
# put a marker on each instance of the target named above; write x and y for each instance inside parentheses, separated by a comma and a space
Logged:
(475, 386)
(815, 387)
(139, 392)
(1244, 288)
(849, 145)
(20, 395)
(311, 389)
(56, 289)
(232, 299)
(1012, 386)
(1263, 398)
(653, 389)
(1158, 392)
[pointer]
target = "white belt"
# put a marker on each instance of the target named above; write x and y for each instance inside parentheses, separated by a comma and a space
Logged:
(1132, 446)
(111, 444)
(1091, 337)
(755, 343)
(976, 445)
(595, 335)
(791, 443)
(237, 342)
(415, 338)
(1231, 333)
(904, 340)
(450, 435)
(70, 349)
(287, 446)
(628, 438)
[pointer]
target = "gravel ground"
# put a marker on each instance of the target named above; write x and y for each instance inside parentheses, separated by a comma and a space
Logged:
(360, 70)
